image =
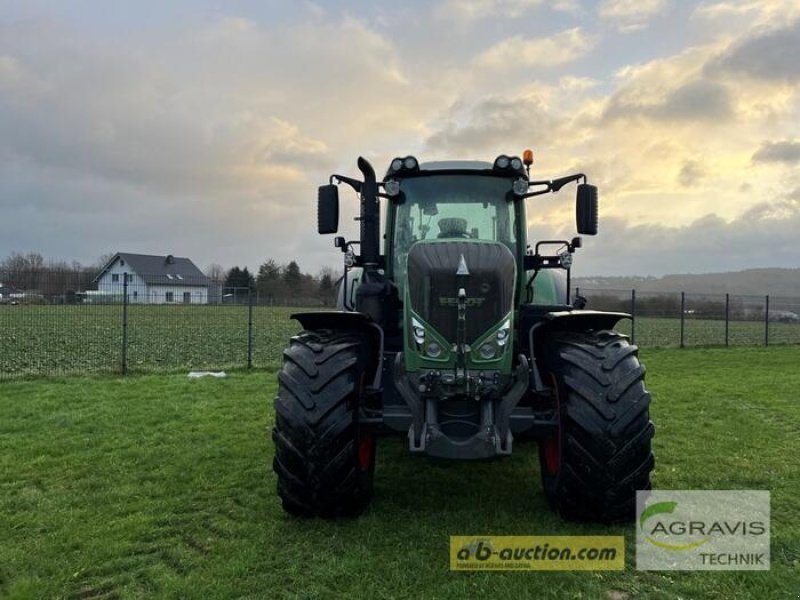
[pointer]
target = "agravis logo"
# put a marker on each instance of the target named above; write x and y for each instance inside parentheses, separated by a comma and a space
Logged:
(703, 530)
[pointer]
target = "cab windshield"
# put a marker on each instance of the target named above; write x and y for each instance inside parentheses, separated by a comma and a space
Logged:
(452, 207)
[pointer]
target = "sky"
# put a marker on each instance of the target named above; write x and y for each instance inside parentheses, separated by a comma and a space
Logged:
(202, 129)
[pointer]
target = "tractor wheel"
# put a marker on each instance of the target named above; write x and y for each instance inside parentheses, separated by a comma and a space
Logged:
(601, 455)
(324, 463)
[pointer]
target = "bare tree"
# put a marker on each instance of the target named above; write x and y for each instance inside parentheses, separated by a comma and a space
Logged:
(215, 273)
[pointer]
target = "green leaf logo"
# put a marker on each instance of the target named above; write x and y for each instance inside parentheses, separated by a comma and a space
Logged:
(665, 508)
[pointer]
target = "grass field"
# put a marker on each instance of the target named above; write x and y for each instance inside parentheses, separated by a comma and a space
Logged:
(64, 340)
(159, 486)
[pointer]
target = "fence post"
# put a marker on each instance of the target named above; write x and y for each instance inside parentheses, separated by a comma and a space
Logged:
(727, 315)
(249, 327)
(683, 316)
(124, 365)
(633, 316)
(766, 320)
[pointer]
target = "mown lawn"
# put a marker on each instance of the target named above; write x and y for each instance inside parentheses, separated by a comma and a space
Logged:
(160, 486)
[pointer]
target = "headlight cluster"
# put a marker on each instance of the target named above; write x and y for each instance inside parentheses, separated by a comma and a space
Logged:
(504, 162)
(408, 163)
(493, 347)
(431, 349)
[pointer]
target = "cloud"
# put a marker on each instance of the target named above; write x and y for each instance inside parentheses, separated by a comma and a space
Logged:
(771, 54)
(707, 244)
(493, 124)
(208, 139)
(472, 10)
(698, 100)
(750, 13)
(568, 6)
(630, 15)
(780, 152)
(215, 133)
(550, 51)
(692, 172)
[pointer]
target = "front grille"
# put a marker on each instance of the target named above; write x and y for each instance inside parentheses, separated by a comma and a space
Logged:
(433, 284)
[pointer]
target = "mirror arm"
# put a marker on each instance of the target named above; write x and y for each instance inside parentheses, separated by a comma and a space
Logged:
(557, 184)
(554, 185)
(353, 183)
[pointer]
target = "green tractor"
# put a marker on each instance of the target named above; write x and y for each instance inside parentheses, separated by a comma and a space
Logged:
(463, 338)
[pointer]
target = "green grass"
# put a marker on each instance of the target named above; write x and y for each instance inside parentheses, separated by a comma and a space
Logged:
(159, 486)
(79, 340)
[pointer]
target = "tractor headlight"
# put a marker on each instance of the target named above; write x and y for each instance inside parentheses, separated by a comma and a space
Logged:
(520, 187)
(488, 351)
(433, 350)
(502, 162)
(503, 332)
(410, 162)
(397, 164)
(418, 330)
(516, 164)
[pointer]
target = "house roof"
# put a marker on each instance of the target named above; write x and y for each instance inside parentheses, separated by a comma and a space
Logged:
(160, 270)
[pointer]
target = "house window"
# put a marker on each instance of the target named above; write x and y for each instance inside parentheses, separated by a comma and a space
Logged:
(187, 297)
(121, 263)
(114, 278)
(135, 294)
(129, 277)
(169, 297)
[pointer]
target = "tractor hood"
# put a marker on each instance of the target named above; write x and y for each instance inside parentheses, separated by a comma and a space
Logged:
(438, 269)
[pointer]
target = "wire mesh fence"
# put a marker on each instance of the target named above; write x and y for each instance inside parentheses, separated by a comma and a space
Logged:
(134, 323)
(131, 323)
(663, 319)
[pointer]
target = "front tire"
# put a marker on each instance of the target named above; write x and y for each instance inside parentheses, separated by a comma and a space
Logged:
(323, 462)
(602, 454)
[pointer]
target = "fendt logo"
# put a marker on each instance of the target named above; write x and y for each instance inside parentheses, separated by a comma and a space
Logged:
(703, 530)
(448, 301)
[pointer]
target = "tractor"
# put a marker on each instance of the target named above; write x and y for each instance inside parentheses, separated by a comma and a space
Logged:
(461, 336)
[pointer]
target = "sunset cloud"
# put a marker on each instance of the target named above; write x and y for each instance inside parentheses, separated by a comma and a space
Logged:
(205, 134)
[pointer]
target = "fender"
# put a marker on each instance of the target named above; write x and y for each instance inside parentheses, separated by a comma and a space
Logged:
(350, 321)
(567, 320)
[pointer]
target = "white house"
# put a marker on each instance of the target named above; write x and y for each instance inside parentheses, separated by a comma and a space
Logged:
(153, 279)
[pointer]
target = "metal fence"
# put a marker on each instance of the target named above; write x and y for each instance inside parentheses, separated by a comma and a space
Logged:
(142, 324)
(129, 325)
(683, 319)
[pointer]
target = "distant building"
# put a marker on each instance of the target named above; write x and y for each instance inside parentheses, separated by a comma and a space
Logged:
(8, 295)
(153, 279)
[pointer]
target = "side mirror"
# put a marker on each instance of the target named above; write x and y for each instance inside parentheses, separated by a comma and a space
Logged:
(328, 208)
(586, 209)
